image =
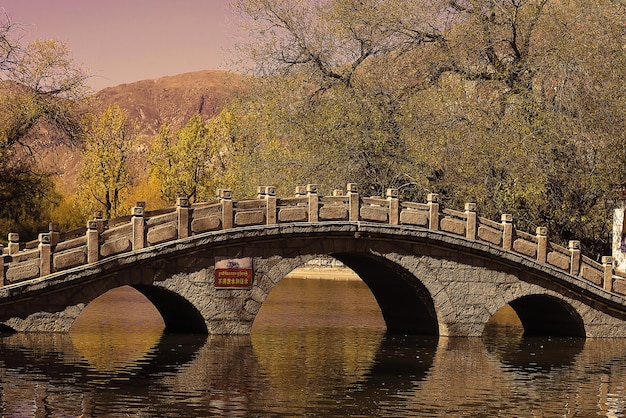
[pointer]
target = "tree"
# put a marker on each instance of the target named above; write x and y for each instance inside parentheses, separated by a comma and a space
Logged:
(105, 175)
(186, 161)
(40, 89)
(321, 57)
(513, 104)
(8, 43)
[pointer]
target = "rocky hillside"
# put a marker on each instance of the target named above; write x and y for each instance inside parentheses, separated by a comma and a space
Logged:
(171, 99)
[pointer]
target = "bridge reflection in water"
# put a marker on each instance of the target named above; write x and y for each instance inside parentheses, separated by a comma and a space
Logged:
(319, 348)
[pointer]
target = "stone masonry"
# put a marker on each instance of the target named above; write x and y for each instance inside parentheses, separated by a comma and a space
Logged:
(432, 270)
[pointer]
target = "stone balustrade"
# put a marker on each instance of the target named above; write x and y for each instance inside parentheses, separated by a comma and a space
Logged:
(55, 251)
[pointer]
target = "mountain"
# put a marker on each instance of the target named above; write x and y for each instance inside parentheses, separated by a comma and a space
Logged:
(171, 99)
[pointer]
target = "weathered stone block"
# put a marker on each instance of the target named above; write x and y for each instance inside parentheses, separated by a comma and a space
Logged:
(412, 217)
(24, 271)
(297, 214)
(117, 246)
(333, 213)
(251, 217)
(559, 260)
(373, 213)
(162, 234)
(210, 223)
(70, 259)
(525, 247)
(593, 275)
(454, 226)
(619, 286)
(252, 306)
(489, 235)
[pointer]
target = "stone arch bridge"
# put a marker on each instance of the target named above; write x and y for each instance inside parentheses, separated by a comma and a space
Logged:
(432, 270)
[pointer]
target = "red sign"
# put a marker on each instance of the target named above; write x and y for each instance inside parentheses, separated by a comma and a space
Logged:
(233, 273)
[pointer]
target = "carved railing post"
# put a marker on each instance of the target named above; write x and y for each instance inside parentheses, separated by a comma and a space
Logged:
(2, 275)
(507, 231)
(14, 243)
(182, 211)
(45, 255)
(394, 206)
(542, 244)
(97, 216)
(270, 203)
(607, 265)
(574, 250)
(311, 191)
(225, 197)
(353, 202)
(138, 223)
(300, 191)
(470, 220)
(55, 233)
(260, 192)
(93, 241)
(433, 211)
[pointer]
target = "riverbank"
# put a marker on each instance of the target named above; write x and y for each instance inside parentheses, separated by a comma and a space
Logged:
(326, 273)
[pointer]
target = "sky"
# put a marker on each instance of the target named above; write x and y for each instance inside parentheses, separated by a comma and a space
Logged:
(122, 41)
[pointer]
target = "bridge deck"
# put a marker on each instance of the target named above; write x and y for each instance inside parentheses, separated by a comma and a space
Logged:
(56, 252)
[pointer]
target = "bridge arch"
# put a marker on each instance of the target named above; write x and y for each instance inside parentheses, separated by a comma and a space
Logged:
(405, 302)
(179, 315)
(548, 315)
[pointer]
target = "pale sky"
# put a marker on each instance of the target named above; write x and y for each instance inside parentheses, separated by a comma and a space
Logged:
(121, 41)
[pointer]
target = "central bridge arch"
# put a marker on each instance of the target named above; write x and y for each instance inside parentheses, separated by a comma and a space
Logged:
(405, 303)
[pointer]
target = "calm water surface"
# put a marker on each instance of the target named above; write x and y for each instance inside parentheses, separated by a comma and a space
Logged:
(318, 348)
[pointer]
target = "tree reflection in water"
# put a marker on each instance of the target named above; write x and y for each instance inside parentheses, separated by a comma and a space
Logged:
(320, 351)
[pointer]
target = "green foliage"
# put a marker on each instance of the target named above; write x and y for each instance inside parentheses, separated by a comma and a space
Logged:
(105, 177)
(39, 89)
(185, 162)
(28, 202)
(514, 105)
(71, 212)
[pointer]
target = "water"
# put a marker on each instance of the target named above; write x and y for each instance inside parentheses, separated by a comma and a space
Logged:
(318, 348)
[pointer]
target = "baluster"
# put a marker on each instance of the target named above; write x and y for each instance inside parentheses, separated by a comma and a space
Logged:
(507, 231)
(574, 250)
(607, 265)
(311, 191)
(225, 197)
(353, 201)
(138, 223)
(55, 234)
(183, 211)
(45, 255)
(542, 244)
(14, 243)
(270, 203)
(93, 241)
(394, 206)
(433, 211)
(470, 219)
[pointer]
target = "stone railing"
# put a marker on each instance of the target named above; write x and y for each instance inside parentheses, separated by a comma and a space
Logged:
(54, 251)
